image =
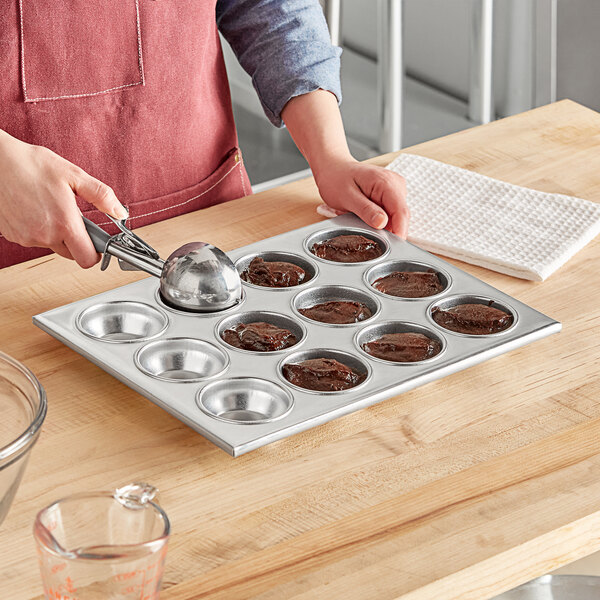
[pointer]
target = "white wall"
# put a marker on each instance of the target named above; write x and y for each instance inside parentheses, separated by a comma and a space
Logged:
(579, 51)
(436, 46)
(436, 43)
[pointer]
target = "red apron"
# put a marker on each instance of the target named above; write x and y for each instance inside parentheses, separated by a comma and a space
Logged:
(134, 92)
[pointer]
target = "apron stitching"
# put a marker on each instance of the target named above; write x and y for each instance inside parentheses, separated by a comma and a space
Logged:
(242, 177)
(22, 49)
(41, 99)
(154, 212)
(139, 36)
(119, 87)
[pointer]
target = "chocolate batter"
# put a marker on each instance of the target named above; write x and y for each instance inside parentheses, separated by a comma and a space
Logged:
(403, 347)
(274, 274)
(259, 336)
(338, 312)
(347, 249)
(322, 374)
(410, 284)
(475, 319)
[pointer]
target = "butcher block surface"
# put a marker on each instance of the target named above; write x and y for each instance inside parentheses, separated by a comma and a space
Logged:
(459, 489)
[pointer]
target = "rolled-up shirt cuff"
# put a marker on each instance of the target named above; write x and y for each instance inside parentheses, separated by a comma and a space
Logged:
(296, 74)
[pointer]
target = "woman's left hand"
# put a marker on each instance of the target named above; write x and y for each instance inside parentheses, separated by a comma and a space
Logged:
(375, 194)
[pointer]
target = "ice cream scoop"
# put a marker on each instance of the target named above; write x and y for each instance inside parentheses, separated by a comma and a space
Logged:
(197, 277)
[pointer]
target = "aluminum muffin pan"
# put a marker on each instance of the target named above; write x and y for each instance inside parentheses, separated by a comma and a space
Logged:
(247, 404)
(333, 293)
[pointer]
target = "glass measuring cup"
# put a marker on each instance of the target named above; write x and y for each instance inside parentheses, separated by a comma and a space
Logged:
(103, 545)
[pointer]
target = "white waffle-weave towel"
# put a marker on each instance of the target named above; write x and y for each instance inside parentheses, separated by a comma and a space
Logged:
(507, 228)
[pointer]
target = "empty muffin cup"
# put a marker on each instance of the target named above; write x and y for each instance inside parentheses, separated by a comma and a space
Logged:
(452, 301)
(359, 366)
(310, 268)
(245, 400)
(278, 320)
(387, 268)
(334, 293)
(327, 234)
(181, 359)
(375, 332)
(121, 322)
(188, 313)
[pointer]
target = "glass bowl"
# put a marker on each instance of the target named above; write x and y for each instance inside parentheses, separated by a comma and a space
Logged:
(23, 409)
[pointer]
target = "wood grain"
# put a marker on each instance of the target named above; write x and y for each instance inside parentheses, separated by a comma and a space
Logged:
(460, 489)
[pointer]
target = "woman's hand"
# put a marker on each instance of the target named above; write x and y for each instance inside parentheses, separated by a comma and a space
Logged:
(375, 194)
(37, 200)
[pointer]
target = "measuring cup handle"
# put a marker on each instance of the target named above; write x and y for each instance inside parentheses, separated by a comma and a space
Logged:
(97, 234)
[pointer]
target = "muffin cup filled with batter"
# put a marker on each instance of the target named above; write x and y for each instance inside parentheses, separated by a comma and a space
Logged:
(346, 246)
(407, 280)
(335, 306)
(400, 343)
(260, 332)
(472, 316)
(276, 270)
(324, 371)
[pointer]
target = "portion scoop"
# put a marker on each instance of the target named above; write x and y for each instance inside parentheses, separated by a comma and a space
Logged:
(197, 277)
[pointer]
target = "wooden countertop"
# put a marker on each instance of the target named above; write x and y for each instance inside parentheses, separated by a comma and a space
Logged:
(459, 489)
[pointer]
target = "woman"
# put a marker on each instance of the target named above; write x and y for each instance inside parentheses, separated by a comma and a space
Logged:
(126, 102)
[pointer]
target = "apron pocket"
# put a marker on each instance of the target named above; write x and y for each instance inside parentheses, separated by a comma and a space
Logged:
(79, 48)
(227, 182)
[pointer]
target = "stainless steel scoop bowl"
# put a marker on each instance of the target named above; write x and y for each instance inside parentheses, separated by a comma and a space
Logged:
(200, 274)
(198, 277)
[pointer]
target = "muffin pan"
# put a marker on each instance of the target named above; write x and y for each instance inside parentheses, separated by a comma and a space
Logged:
(239, 399)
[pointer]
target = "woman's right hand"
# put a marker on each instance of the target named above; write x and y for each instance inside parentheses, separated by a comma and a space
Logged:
(37, 200)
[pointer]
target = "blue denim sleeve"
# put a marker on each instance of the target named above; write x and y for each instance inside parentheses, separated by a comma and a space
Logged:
(284, 46)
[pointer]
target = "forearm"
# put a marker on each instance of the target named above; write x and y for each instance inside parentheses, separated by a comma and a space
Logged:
(376, 195)
(284, 46)
(315, 123)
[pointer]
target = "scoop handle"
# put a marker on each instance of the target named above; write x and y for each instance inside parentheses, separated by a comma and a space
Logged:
(98, 236)
(130, 256)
